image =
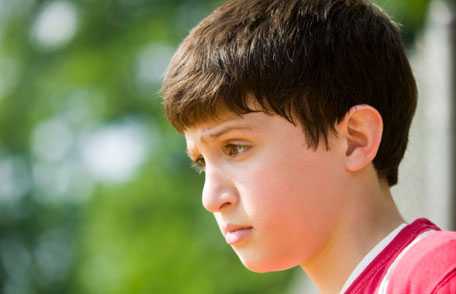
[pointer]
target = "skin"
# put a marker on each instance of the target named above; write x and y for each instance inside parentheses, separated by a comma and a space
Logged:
(305, 206)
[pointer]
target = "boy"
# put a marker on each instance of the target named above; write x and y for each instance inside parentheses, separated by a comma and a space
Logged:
(298, 112)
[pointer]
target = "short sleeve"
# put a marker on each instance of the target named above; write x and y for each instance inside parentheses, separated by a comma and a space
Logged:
(428, 267)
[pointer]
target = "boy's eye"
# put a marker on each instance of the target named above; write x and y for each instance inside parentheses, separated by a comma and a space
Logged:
(234, 149)
(231, 150)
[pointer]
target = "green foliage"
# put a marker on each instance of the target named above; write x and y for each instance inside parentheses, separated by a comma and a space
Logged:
(410, 14)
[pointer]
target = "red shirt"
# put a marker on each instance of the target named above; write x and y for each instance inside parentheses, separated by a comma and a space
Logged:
(421, 259)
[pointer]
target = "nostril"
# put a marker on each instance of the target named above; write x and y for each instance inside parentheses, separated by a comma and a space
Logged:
(224, 204)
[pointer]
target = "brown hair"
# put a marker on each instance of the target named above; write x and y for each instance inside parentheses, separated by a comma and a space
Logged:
(315, 58)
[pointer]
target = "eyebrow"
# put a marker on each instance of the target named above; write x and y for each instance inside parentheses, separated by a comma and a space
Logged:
(223, 130)
(218, 133)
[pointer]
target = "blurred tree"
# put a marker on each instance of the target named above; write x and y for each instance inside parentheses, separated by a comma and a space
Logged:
(410, 15)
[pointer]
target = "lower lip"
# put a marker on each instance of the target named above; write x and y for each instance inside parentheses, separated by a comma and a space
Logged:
(237, 236)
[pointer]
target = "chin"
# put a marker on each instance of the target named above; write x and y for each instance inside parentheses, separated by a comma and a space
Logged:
(265, 266)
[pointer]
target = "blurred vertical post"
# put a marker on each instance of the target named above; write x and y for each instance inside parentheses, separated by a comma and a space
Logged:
(453, 111)
(425, 178)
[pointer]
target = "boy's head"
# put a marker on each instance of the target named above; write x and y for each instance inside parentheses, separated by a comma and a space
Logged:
(315, 58)
(256, 84)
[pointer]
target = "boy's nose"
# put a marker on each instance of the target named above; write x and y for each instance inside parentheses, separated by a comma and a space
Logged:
(219, 192)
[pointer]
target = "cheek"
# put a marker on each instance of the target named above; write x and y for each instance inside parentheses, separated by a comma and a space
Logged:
(305, 182)
(294, 196)
(285, 233)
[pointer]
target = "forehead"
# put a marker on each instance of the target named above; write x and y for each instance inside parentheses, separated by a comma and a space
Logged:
(224, 122)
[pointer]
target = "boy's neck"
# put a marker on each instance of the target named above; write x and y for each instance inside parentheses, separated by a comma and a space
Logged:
(369, 216)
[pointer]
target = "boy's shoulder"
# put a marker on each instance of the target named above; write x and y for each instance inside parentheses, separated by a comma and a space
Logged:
(420, 259)
(427, 267)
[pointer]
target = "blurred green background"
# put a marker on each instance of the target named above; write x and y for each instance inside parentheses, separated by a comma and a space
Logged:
(96, 193)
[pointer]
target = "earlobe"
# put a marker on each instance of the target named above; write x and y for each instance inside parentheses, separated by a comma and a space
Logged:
(362, 129)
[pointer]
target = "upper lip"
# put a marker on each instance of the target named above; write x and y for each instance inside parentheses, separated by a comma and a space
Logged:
(232, 228)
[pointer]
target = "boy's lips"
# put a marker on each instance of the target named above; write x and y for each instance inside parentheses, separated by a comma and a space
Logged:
(236, 233)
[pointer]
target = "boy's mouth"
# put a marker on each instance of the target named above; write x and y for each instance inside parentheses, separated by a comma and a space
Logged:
(236, 233)
(229, 228)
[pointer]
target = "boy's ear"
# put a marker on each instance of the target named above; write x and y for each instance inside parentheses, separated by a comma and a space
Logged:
(361, 129)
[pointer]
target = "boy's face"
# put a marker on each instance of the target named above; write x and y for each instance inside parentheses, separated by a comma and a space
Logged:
(283, 198)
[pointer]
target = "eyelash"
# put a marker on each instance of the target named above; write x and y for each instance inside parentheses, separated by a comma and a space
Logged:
(199, 164)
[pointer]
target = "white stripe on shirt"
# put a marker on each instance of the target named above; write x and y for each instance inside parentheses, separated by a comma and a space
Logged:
(369, 257)
(385, 281)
